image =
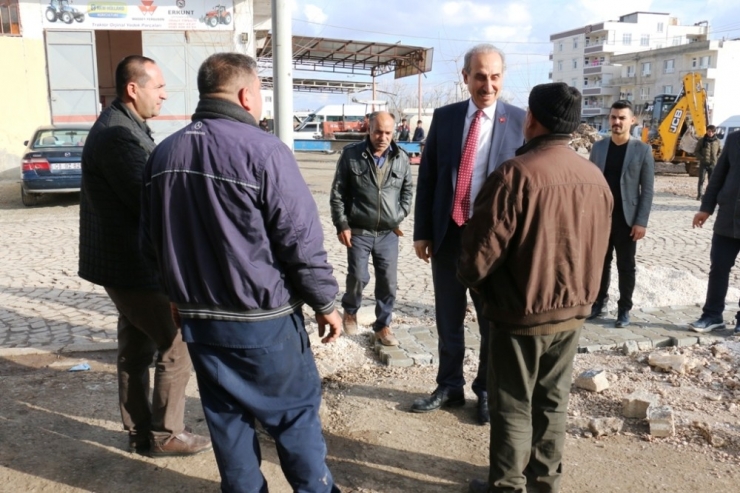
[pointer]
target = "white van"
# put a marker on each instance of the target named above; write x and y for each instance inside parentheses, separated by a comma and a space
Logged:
(312, 125)
(728, 126)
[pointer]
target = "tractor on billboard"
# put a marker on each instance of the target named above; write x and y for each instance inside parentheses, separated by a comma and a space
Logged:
(219, 15)
(61, 10)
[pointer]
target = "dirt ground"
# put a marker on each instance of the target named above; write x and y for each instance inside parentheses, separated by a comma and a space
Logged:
(60, 431)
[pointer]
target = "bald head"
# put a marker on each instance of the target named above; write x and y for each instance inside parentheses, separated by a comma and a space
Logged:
(382, 127)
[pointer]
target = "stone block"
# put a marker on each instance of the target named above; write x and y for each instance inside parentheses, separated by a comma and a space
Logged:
(422, 359)
(400, 362)
(661, 421)
(677, 363)
(644, 345)
(630, 347)
(637, 403)
(662, 341)
(605, 426)
(593, 380)
(684, 341)
(419, 330)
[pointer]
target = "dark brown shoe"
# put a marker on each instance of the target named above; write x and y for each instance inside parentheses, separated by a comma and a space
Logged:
(349, 320)
(180, 445)
(386, 337)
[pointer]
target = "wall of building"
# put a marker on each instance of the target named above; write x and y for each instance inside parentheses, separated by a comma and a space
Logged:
(726, 94)
(25, 103)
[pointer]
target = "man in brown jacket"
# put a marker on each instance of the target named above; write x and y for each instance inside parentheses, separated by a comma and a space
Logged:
(534, 250)
(707, 152)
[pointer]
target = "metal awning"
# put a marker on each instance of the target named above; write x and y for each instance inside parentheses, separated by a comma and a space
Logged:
(350, 57)
(322, 85)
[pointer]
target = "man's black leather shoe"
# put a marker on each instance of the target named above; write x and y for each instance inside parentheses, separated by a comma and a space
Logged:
(623, 319)
(482, 410)
(440, 397)
(478, 486)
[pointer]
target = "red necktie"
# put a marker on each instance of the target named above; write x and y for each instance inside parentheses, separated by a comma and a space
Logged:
(461, 202)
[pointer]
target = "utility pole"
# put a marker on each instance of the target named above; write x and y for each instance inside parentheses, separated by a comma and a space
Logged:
(282, 72)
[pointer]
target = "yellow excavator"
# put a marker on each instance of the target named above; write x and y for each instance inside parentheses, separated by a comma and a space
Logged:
(673, 118)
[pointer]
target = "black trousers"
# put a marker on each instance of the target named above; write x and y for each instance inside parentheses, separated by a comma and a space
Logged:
(621, 242)
(722, 255)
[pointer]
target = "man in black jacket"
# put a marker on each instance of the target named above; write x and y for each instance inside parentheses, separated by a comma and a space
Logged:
(113, 160)
(370, 196)
(723, 190)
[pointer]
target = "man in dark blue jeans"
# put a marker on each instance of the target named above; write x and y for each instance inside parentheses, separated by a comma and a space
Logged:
(240, 249)
(370, 196)
(723, 191)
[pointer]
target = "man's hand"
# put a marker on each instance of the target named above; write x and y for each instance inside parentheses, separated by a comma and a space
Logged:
(345, 238)
(638, 232)
(335, 326)
(423, 249)
(699, 219)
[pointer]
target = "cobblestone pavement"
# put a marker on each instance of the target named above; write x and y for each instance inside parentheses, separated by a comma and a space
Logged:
(43, 304)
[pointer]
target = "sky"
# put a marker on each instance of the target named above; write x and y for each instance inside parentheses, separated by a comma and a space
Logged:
(521, 29)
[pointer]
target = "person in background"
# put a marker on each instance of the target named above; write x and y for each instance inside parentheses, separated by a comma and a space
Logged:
(532, 262)
(418, 132)
(723, 190)
(467, 141)
(370, 196)
(113, 160)
(240, 248)
(707, 152)
(629, 168)
(404, 131)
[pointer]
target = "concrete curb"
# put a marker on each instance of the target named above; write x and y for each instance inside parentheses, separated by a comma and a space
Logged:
(59, 349)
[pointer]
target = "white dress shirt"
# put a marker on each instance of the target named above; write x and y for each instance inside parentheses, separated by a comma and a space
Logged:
(485, 138)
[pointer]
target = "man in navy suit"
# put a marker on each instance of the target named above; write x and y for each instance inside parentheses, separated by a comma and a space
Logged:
(452, 172)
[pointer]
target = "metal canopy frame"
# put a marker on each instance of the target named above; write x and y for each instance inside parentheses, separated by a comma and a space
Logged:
(322, 85)
(343, 56)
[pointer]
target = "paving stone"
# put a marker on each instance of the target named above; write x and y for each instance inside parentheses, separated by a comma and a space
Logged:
(684, 341)
(637, 403)
(661, 421)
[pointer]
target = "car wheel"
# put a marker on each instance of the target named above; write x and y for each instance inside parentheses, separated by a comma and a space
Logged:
(29, 199)
(227, 19)
(212, 21)
(66, 17)
(51, 15)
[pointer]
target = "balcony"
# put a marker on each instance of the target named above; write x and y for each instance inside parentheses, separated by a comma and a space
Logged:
(594, 111)
(601, 68)
(623, 81)
(597, 47)
(599, 91)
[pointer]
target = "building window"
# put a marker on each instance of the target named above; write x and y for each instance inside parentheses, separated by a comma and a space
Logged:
(667, 89)
(575, 63)
(585, 82)
(646, 68)
(676, 40)
(660, 27)
(645, 40)
(574, 83)
(10, 21)
(705, 61)
(630, 70)
(627, 39)
(560, 65)
(669, 66)
(268, 99)
(644, 92)
(560, 46)
(658, 46)
(575, 42)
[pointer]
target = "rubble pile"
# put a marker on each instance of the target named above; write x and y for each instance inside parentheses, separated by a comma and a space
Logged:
(665, 393)
(583, 138)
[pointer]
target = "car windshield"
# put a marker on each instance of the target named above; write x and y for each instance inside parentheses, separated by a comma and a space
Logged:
(61, 137)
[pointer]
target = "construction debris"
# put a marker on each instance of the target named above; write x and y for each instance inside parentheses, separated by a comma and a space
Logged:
(582, 140)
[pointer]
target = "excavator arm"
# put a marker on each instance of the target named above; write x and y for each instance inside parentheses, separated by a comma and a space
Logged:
(692, 101)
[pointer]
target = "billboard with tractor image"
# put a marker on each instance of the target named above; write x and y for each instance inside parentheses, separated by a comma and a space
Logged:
(167, 15)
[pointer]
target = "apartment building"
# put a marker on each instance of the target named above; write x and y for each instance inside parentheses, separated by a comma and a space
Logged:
(647, 74)
(583, 57)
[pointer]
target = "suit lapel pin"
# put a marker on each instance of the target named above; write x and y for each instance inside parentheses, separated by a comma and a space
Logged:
(502, 119)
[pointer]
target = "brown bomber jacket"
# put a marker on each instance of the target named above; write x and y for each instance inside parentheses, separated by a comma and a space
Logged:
(535, 246)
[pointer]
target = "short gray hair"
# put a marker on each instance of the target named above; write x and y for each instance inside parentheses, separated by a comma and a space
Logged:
(374, 116)
(483, 48)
